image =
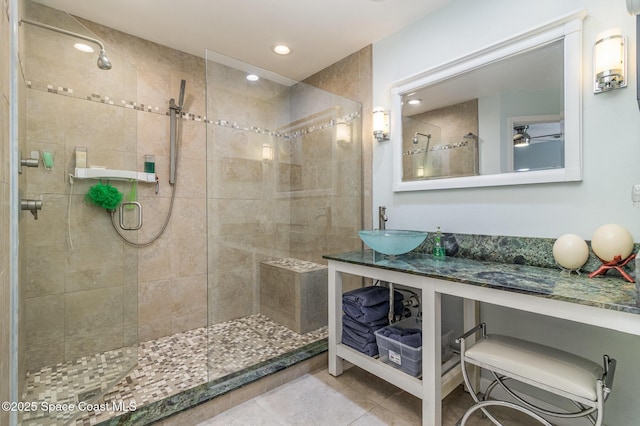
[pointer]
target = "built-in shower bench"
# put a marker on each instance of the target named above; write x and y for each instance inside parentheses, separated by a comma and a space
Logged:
(293, 292)
(610, 303)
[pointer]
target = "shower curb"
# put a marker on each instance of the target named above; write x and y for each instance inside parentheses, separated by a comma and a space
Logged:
(160, 410)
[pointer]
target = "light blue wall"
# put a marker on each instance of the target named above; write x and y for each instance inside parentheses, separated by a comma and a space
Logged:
(611, 128)
(611, 154)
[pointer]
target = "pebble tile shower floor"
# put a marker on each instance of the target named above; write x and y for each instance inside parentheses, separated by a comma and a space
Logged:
(166, 366)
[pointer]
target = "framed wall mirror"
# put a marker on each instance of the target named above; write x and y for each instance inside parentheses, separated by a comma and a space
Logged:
(508, 114)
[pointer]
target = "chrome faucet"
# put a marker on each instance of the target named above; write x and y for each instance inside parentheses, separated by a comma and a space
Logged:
(382, 217)
(32, 205)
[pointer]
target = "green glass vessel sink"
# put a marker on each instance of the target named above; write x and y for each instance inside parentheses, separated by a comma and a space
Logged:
(392, 241)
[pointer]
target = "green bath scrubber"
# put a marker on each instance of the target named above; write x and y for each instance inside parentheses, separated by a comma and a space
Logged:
(132, 195)
(105, 196)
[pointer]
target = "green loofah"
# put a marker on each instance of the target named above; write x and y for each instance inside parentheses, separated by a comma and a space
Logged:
(105, 196)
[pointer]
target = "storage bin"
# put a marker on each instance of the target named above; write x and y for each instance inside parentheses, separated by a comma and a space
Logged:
(404, 357)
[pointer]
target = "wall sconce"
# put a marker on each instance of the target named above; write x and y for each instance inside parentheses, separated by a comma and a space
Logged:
(343, 132)
(267, 152)
(609, 61)
(380, 124)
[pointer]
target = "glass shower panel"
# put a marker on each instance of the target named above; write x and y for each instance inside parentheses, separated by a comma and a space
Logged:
(326, 190)
(283, 181)
(80, 300)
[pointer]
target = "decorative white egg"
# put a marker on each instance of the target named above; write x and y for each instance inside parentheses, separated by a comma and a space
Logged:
(570, 251)
(612, 240)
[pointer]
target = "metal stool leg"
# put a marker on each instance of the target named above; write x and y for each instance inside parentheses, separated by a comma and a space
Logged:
(480, 405)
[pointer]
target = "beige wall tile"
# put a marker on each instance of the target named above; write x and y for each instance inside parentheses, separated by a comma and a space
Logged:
(46, 267)
(255, 224)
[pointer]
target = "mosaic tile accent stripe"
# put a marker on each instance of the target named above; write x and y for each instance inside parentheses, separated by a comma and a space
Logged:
(124, 103)
(166, 367)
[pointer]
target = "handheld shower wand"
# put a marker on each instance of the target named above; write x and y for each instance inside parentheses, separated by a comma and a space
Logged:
(174, 110)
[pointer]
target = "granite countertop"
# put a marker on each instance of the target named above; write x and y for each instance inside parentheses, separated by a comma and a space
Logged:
(605, 292)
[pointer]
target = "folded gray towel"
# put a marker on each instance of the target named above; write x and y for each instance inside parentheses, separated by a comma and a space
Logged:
(362, 338)
(371, 313)
(370, 349)
(363, 328)
(366, 314)
(408, 336)
(370, 296)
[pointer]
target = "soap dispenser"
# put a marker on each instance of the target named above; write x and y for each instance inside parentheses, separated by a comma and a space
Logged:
(438, 248)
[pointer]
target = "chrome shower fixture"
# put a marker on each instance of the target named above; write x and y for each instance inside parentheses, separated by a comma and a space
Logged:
(103, 62)
(415, 137)
(174, 112)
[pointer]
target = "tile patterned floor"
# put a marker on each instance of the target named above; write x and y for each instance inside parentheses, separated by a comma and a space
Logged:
(165, 367)
(356, 398)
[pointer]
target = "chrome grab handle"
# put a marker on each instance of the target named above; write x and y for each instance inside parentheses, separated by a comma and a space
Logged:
(139, 224)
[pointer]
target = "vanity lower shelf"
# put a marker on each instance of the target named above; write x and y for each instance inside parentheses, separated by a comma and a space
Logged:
(451, 372)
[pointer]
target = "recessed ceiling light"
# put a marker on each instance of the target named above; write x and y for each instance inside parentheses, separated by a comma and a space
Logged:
(252, 77)
(414, 101)
(83, 47)
(281, 49)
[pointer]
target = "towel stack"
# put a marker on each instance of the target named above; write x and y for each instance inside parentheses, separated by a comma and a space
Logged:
(365, 311)
(407, 336)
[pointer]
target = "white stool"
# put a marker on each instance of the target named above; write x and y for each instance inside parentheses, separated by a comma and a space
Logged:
(579, 380)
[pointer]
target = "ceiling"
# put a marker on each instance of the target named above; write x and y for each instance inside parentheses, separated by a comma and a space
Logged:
(319, 32)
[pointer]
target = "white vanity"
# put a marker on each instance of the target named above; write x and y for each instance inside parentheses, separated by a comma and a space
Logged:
(610, 303)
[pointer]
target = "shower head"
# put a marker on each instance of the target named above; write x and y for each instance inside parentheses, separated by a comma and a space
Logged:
(415, 137)
(470, 135)
(103, 62)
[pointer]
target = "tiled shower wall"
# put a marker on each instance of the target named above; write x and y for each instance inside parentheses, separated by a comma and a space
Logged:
(171, 274)
(81, 276)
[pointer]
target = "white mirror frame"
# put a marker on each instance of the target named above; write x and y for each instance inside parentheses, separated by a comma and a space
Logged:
(567, 28)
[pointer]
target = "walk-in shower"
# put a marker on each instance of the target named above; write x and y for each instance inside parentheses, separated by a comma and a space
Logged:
(261, 175)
